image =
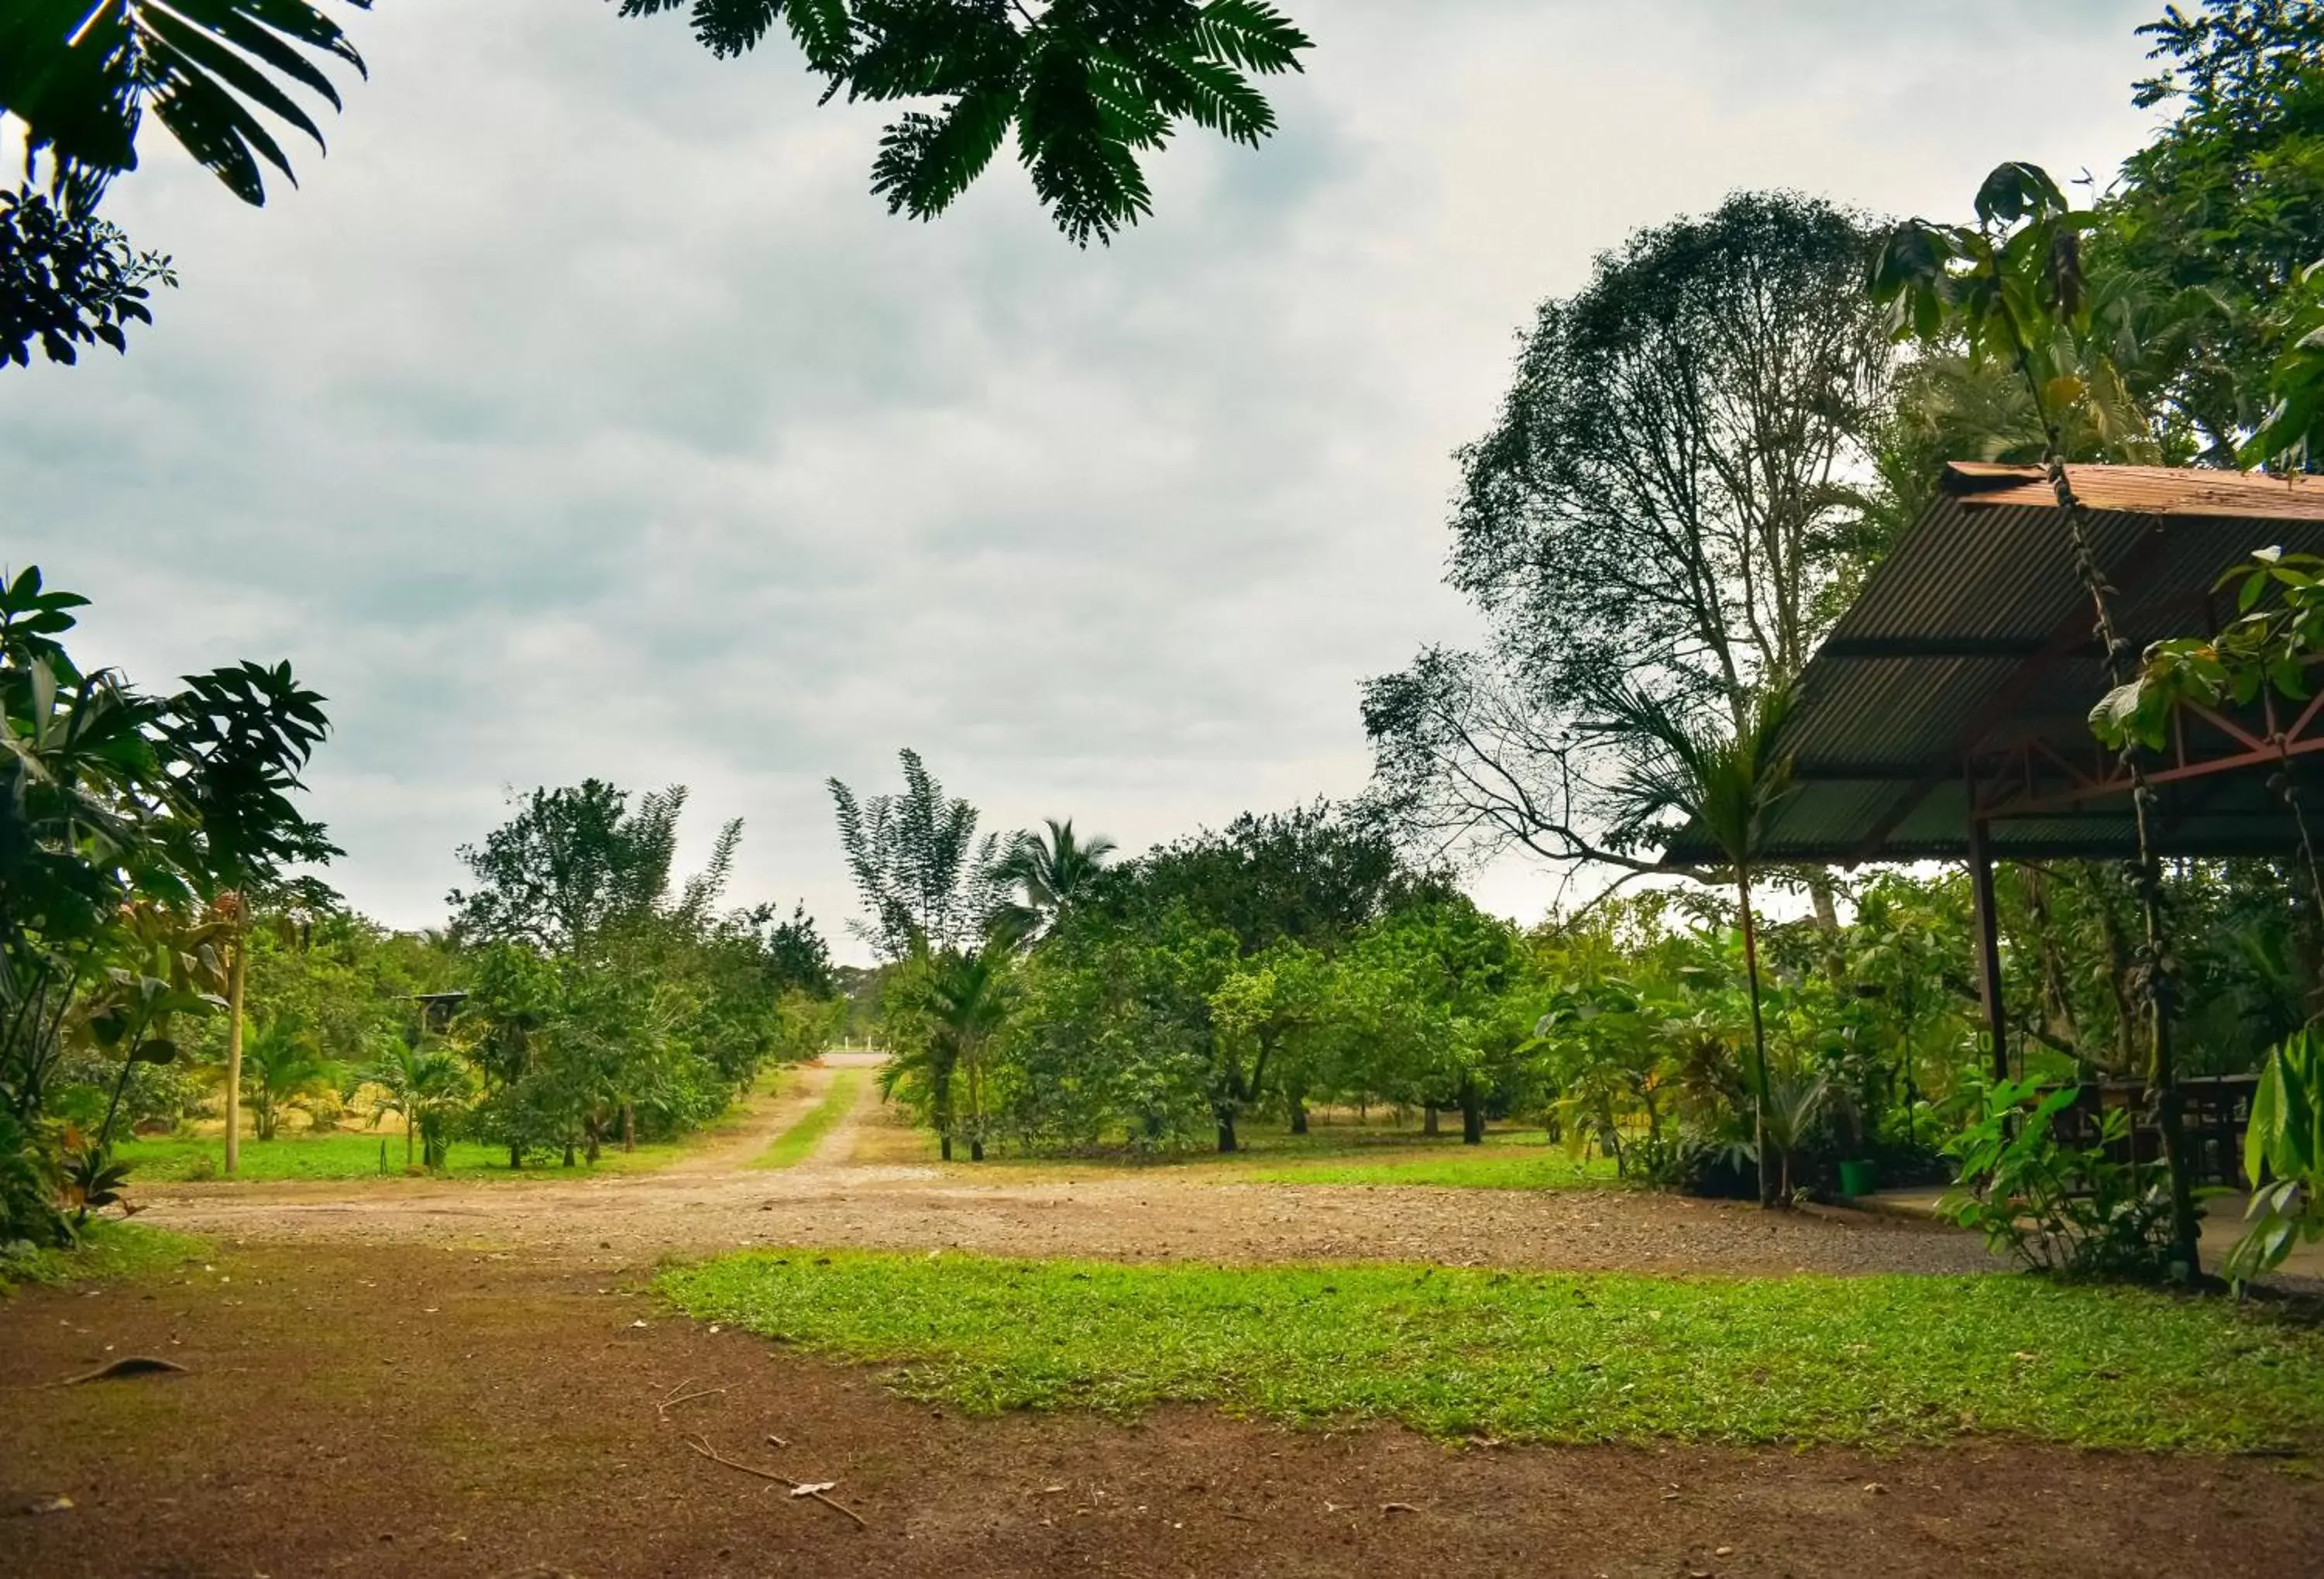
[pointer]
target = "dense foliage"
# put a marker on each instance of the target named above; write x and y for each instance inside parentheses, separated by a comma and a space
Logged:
(68, 280)
(129, 825)
(604, 996)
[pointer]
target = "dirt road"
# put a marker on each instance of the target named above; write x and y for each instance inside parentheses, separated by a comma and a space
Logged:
(715, 1201)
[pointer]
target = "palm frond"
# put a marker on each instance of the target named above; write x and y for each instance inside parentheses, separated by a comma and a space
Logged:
(212, 71)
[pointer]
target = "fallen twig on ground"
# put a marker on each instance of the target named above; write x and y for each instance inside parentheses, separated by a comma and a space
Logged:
(816, 1490)
(127, 1365)
(674, 1398)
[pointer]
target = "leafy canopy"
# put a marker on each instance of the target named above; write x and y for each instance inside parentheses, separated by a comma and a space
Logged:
(68, 280)
(214, 73)
(1087, 87)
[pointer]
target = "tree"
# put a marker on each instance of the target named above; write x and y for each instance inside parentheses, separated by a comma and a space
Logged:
(2219, 216)
(1666, 501)
(68, 281)
(941, 1014)
(1088, 86)
(2011, 289)
(927, 881)
(280, 1063)
(428, 1086)
(1312, 875)
(1724, 783)
(571, 863)
(109, 796)
(242, 734)
(798, 959)
(1051, 874)
(1443, 976)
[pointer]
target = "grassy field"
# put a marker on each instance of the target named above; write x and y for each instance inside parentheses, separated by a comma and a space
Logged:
(109, 1248)
(349, 1154)
(1547, 1358)
(356, 1154)
(793, 1144)
(1490, 1167)
(1344, 1152)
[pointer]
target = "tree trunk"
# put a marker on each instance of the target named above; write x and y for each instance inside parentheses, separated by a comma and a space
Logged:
(629, 1126)
(1759, 1041)
(570, 1158)
(943, 1145)
(1428, 1120)
(976, 1148)
(238, 938)
(2154, 961)
(516, 1158)
(1227, 1130)
(1298, 1117)
(1473, 1115)
(1827, 920)
(412, 1129)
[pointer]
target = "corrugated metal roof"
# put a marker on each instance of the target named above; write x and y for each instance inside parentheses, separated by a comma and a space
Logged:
(1975, 637)
(2147, 490)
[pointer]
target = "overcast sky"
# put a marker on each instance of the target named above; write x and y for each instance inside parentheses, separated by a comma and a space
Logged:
(582, 413)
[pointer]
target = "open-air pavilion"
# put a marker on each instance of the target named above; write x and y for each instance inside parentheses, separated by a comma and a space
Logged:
(1946, 717)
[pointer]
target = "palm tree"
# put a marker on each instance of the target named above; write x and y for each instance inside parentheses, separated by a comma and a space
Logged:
(425, 1086)
(963, 1001)
(279, 1062)
(1053, 873)
(1794, 1106)
(1724, 785)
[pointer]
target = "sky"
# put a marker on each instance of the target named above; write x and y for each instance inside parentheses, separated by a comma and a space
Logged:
(583, 415)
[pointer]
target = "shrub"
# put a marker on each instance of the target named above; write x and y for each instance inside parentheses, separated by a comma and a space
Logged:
(28, 1186)
(2051, 1206)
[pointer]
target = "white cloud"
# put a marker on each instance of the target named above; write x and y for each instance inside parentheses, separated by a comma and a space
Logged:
(583, 414)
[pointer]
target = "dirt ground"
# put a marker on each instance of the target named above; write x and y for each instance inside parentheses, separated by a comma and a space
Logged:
(714, 1202)
(410, 1410)
(471, 1381)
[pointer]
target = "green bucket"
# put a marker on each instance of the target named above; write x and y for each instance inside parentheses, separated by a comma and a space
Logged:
(1859, 1178)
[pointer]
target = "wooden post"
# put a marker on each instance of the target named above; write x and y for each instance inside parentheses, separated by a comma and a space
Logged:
(1989, 945)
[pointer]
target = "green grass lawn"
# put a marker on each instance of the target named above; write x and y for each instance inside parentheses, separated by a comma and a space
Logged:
(1880, 1361)
(356, 1154)
(109, 1248)
(346, 1154)
(1490, 1167)
(793, 1144)
(1335, 1153)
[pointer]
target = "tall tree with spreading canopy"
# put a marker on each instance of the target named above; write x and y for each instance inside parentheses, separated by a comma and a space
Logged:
(1668, 500)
